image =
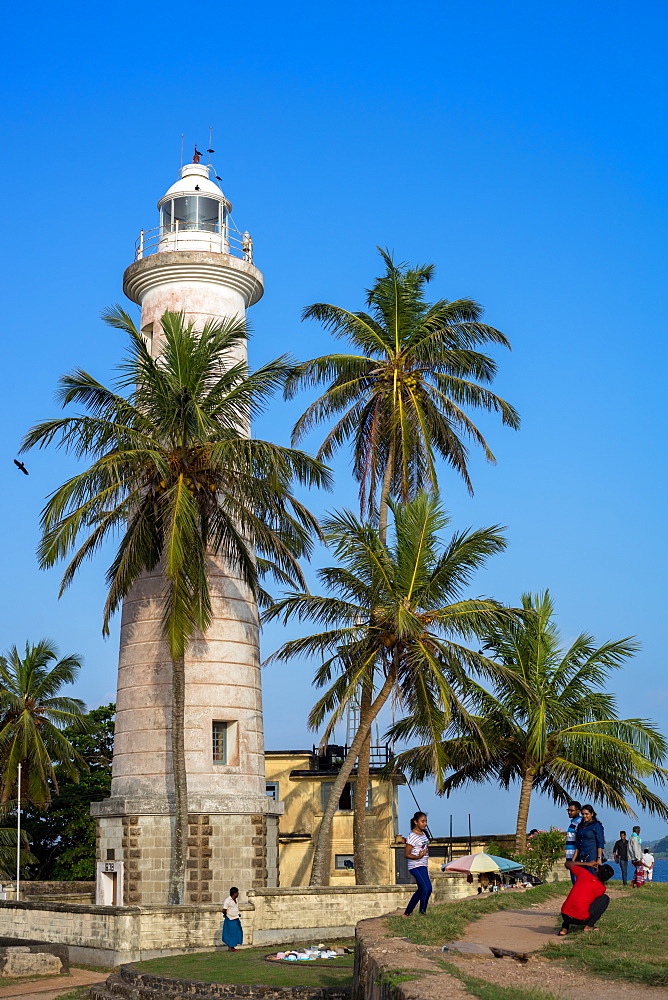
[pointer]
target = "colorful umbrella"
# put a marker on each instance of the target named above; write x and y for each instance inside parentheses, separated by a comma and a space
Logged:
(473, 863)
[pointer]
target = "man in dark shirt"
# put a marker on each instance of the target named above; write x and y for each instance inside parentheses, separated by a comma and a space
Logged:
(620, 853)
(587, 901)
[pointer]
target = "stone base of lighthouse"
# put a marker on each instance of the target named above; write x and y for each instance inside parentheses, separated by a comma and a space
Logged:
(226, 846)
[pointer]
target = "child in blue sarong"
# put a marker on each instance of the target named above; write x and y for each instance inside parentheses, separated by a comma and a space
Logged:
(233, 932)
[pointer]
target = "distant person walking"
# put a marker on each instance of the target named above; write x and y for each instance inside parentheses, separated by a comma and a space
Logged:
(620, 854)
(233, 932)
(587, 901)
(635, 846)
(416, 852)
(589, 838)
(648, 863)
(575, 818)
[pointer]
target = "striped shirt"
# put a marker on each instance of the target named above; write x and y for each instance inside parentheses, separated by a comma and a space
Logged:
(418, 841)
(571, 836)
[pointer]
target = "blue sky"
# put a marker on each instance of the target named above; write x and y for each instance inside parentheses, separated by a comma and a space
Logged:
(519, 147)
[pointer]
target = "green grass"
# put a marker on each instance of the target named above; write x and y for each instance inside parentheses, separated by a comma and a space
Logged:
(392, 977)
(447, 921)
(490, 991)
(78, 993)
(631, 942)
(249, 968)
(104, 970)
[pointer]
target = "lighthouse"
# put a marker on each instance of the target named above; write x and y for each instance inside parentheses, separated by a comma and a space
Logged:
(194, 262)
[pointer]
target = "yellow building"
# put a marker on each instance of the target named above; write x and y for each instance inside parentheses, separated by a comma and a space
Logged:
(302, 780)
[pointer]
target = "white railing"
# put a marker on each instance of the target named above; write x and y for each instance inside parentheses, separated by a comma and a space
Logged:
(186, 237)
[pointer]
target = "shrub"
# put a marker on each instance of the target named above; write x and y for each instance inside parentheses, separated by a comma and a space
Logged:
(542, 852)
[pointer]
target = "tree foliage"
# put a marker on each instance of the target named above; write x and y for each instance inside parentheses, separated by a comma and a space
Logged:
(401, 401)
(547, 724)
(395, 618)
(401, 398)
(175, 476)
(33, 715)
(63, 838)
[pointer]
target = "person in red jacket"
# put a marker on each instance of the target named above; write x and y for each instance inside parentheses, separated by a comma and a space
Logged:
(587, 901)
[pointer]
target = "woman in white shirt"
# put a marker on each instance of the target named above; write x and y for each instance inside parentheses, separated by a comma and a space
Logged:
(417, 853)
(233, 932)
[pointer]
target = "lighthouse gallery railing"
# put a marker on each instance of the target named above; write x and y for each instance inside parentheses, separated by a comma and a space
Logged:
(163, 239)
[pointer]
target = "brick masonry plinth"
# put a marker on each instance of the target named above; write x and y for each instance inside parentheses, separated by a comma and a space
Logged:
(222, 850)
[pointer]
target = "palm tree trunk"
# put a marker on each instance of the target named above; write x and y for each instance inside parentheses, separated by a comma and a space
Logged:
(523, 811)
(180, 840)
(322, 845)
(362, 868)
(385, 495)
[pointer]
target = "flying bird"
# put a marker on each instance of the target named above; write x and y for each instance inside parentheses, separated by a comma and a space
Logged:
(21, 466)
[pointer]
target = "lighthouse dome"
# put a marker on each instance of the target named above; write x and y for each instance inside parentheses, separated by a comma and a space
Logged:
(193, 204)
(195, 178)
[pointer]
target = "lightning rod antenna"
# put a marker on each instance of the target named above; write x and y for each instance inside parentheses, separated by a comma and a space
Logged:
(181, 163)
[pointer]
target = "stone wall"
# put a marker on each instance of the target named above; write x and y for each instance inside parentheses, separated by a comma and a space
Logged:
(284, 915)
(300, 914)
(129, 982)
(111, 935)
(49, 890)
(382, 962)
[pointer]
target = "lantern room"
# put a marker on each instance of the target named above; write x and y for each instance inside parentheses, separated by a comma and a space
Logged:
(194, 213)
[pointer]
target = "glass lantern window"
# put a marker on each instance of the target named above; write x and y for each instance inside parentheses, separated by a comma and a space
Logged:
(166, 213)
(208, 210)
(185, 212)
(192, 212)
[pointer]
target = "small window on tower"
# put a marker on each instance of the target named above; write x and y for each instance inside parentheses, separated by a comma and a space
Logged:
(221, 742)
(147, 334)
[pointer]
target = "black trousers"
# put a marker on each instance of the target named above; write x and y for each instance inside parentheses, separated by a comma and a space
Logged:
(596, 911)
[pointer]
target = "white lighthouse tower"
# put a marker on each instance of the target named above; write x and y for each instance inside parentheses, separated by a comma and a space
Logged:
(193, 263)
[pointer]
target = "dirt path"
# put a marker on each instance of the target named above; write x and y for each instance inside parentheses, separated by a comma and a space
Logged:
(50, 987)
(544, 974)
(528, 929)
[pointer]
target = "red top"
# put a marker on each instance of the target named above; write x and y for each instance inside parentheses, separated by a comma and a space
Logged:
(587, 888)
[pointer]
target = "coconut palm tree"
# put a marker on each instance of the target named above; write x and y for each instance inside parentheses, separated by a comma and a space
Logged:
(401, 397)
(547, 724)
(33, 713)
(174, 473)
(401, 400)
(394, 621)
